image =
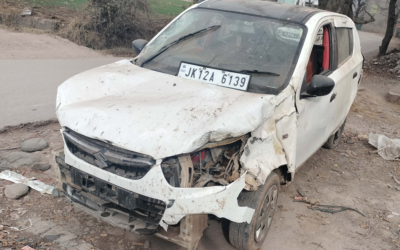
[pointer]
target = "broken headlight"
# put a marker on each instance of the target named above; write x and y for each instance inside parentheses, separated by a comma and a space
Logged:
(214, 164)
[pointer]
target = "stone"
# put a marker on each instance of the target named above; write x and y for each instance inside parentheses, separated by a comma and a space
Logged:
(62, 234)
(55, 193)
(16, 190)
(34, 144)
(362, 137)
(394, 97)
(41, 166)
(51, 238)
(39, 226)
(90, 223)
(37, 23)
(26, 12)
(17, 159)
(84, 246)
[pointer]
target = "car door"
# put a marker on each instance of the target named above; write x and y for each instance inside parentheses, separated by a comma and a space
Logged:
(347, 73)
(314, 113)
(320, 117)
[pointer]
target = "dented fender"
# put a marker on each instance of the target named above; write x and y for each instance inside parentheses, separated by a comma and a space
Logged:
(273, 143)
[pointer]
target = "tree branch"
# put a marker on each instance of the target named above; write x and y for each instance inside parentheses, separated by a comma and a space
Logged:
(372, 19)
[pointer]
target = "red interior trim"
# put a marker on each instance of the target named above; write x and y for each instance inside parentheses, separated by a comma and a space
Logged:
(326, 59)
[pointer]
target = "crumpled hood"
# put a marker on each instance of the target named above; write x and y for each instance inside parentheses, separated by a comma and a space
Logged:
(154, 113)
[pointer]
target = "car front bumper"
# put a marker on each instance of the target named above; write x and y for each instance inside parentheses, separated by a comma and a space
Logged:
(220, 201)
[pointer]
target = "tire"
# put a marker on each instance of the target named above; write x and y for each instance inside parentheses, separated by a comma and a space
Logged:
(334, 139)
(244, 236)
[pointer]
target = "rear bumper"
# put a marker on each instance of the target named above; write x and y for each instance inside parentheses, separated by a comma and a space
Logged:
(220, 201)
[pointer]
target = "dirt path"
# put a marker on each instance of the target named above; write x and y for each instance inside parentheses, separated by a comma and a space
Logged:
(32, 66)
(347, 176)
(18, 45)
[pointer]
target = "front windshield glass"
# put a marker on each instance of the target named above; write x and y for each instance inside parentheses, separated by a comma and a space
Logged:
(262, 47)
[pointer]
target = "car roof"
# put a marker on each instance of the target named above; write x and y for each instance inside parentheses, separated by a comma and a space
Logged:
(287, 12)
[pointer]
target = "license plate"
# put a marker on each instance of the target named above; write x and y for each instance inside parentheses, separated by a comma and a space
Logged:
(214, 76)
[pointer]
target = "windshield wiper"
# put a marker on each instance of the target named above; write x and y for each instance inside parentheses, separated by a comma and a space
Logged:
(181, 39)
(259, 72)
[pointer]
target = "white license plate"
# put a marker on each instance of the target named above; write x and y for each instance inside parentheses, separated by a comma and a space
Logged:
(214, 76)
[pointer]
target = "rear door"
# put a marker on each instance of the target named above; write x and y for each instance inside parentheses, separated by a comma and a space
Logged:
(348, 70)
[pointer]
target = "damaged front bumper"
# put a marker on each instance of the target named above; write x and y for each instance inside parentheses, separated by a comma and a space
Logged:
(140, 205)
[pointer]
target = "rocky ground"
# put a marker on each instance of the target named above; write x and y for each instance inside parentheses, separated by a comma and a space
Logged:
(350, 175)
(389, 63)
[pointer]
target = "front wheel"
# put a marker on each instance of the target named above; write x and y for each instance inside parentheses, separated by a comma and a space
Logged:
(333, 141)
(244, 236)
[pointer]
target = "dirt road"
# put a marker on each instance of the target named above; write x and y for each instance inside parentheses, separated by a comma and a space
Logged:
(349, 175)
(32, 66)
(370, 43)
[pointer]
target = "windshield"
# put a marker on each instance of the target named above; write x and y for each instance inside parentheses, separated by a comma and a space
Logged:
(261, 47)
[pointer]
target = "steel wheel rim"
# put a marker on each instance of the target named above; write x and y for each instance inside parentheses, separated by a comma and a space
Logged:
(338, 134)
(264, 217)
(336, 137)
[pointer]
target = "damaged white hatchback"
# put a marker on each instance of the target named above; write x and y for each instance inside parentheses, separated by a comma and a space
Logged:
(212, 116)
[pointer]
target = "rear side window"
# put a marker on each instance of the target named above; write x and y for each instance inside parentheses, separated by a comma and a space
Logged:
(344, 43)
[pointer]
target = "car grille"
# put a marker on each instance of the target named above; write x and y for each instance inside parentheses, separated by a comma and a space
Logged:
(136, 208)
(104, 155)
(135, 205)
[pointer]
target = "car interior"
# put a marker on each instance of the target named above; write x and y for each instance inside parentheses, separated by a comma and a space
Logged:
(319, 61)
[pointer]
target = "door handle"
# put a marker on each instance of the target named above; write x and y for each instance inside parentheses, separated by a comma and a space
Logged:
(354, 75)
(333, 96)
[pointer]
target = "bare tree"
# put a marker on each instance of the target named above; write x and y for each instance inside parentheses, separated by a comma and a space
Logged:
(392, 19)
(358, 7)
(371, 19)
(384, 8)
(350, 8)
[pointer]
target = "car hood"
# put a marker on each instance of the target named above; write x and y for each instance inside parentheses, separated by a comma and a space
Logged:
(154, 113)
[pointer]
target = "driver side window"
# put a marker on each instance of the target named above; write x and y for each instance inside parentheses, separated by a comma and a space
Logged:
(319, 62)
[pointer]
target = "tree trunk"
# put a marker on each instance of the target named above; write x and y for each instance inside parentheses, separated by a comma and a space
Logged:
(322, 4)
(389, 29)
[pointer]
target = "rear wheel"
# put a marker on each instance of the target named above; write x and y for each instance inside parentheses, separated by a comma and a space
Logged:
(333, 141)
(244, 236)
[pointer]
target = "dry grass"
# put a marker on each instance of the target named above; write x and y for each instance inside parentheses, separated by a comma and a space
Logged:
(106, 24)
(120, 52)
(9, 15)
(109, 25)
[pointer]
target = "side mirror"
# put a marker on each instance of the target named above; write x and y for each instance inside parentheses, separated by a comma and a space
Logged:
(320, 86)
(138, 45)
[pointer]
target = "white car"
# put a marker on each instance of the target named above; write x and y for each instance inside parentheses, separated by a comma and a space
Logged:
(218, 110)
